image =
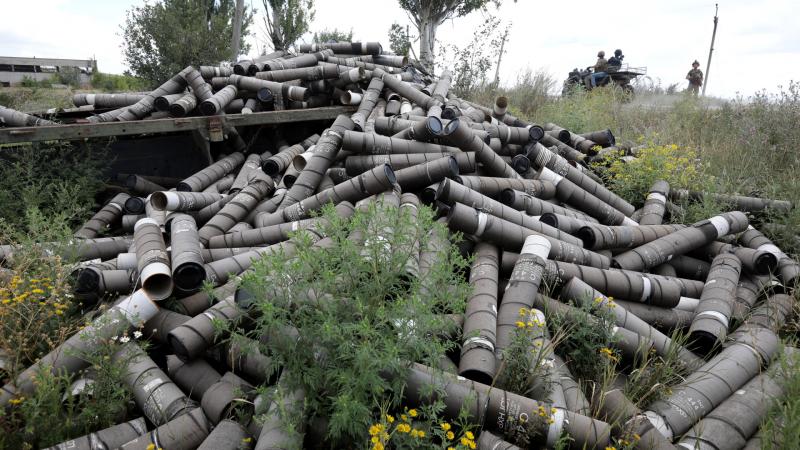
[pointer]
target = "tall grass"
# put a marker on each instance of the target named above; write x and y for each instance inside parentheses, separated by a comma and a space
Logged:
(748, 145)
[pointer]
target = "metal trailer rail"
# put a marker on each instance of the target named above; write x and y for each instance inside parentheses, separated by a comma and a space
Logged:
(205, 125)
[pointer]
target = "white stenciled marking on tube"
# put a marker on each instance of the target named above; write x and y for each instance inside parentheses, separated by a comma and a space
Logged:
(772, 248)
(722, 225)
(659, 423)
(657, 197)
(536, 245)
(548, 175)
(554, 431)
(716, 315)
(646, 288)
(479, 342)
(482, 219)
(687, 304)
(137, 308)
(630, 222)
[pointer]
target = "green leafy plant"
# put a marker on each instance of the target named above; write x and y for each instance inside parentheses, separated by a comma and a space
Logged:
(524, 370)
(59, 410)
(587, 341)
(354, 316)
(679, 166)
(421, 428)
(399, 39)
(286, 20)
(162, 38)
(335, 35)
(652, 375)
(110, 82)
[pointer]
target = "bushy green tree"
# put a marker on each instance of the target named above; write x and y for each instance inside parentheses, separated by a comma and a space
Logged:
(161, 38)
(399, 39)
(327, 35)
(286, 20)
(427, 15)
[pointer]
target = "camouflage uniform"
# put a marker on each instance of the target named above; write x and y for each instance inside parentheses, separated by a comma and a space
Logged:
(601, 65)
(695, 77)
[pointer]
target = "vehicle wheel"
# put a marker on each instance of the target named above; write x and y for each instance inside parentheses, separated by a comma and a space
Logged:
(628, 91)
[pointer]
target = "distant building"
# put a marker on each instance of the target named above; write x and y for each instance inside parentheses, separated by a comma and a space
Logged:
(14, 69)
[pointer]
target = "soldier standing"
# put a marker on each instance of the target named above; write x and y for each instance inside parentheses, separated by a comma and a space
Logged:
(695, 77)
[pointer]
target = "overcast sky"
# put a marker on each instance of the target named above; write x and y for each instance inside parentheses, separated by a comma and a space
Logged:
(757, 45)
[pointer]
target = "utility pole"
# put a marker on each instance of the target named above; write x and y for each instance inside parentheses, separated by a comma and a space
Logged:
(500, 58)
(237, 28)
(711, 50)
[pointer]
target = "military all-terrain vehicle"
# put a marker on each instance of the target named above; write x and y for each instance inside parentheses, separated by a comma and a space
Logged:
(621, 77)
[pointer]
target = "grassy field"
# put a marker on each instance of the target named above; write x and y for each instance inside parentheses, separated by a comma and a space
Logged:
(744, 146)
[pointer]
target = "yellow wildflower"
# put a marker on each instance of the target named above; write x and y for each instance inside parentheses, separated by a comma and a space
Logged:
(37, 291)
(404, 428)
(379, 446)
(445, 426)
(404, 417)
(523, 311)
(611, 448)
(414, 433)
(636, 436)
(375, 429)
(389, 418)
(151, 446)
(520, 324)
(450, 448)
(465, 442)
(15, 401)
(469, 435)
(609, 354)
(412, 412)
(374, 439)
(247, 439)
(450, 435)
(421, 433)
(472, 445)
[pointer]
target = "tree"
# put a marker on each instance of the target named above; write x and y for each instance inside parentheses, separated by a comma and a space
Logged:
(162, 38)
(335, 35)
(472, 60)
(286, 20)
(427, 15)
(399, 40)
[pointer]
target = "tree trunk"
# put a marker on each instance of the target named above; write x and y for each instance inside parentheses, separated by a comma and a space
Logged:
(277, 28)
(237, 28)
(427, 39)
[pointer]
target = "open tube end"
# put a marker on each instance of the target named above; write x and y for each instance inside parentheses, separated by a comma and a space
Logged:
(189, 277)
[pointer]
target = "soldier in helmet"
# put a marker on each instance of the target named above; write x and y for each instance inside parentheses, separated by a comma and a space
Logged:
(600, 68)
(615, 62)
(695, 77)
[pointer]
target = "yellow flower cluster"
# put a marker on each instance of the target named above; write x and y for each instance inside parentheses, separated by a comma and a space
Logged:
(548, 416)
(33, 292)
(679, 166)
(609, 354)
(468, 440)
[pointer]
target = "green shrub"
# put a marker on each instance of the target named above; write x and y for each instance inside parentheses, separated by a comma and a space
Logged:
(360, 319)
(44, 186)
(110, 82)
(632, 179)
